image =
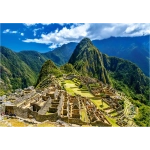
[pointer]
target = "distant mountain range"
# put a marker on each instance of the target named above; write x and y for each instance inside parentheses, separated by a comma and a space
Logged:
(135, 49)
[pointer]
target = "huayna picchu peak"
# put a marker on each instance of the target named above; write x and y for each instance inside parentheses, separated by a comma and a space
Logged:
(87, 59)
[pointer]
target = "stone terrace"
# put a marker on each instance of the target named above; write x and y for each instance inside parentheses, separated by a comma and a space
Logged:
(52, 103)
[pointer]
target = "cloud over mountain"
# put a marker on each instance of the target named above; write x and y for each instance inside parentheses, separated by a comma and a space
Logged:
(52, 35)
(92, 30)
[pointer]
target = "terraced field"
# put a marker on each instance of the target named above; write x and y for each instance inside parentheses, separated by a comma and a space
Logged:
(99, 104)
(84, 116)
(112, 121)
(71, 88)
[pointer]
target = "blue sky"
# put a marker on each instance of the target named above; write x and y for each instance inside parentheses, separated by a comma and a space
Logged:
(44, 37)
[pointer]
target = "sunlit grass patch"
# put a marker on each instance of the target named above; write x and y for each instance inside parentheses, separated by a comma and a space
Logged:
(114, 114)
(2, 124)
(46, 124)
(112, 121)
(99, 103)
(16, 123)
(84, 116)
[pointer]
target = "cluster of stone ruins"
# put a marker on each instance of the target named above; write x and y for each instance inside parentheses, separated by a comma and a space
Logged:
(53, 103)
(110, 97)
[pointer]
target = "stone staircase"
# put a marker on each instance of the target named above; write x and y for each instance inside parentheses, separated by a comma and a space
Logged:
(45, 108)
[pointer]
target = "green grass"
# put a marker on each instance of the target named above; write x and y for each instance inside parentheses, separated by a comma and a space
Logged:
(114, 114)
(68, 81)
(112, 121)
(72, 88)
(98, 103)
(84, 116)
(94, 85)
(48, 113)
(2, 92)
(70, 91)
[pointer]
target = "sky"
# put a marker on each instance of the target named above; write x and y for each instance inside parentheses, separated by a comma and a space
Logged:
(45, 37)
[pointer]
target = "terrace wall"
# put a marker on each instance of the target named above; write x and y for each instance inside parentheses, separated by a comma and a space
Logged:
(74, 121)
(100, 123)
(23, 113)
(51, 117)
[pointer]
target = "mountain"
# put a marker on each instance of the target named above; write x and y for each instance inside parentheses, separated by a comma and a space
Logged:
(48, 68)
(87, 59)
(14, 72)
(135, 49)
(25, 65)
(122, 74)
(33, 59)
(61, 54)
(68, 69)
(19, 70)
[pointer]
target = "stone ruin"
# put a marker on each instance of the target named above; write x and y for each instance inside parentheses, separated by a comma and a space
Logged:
(52, 104)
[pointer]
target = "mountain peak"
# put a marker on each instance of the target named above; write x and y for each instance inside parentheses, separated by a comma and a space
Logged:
(48, 68)
(87, 59)
(85, 41)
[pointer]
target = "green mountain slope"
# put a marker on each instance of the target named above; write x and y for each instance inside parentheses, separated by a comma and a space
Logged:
(33, 59)
(13, 71)
(68, 69)
(127, 77)
(61, 54)
(124, 75)
(135, 49)
(48, 68)
(19, 70)
(87, 59)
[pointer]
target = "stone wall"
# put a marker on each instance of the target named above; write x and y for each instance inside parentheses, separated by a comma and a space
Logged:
(52, 109)
(106, 102)
(41, 118)
(73, 121)
(101, 124)
(24, 113)
(21, 112)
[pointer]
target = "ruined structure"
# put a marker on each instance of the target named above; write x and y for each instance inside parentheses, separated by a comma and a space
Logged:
(52, 104)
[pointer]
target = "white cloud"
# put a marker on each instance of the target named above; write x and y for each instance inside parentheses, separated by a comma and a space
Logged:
(53, 46)
(9, 31)
(32, 24)
(29, 24)
(35, 30)
(101, 31)
(14, 32)
(63, 36)
(22, 34)
(93, 31)
(6, 31)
